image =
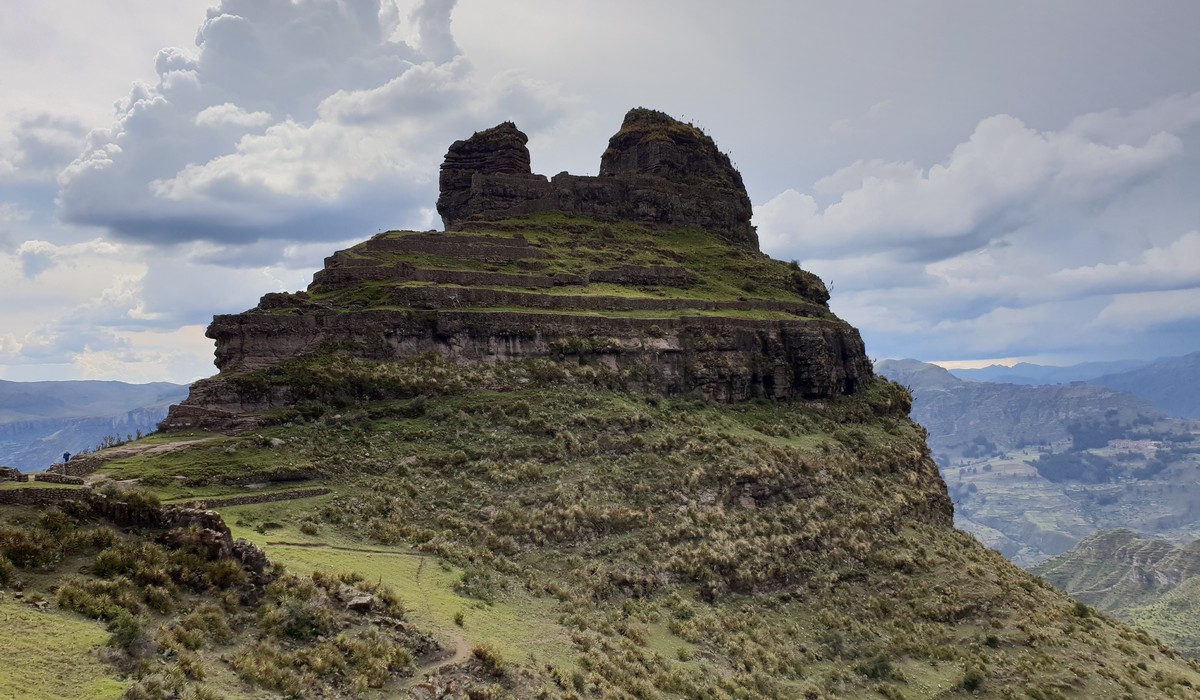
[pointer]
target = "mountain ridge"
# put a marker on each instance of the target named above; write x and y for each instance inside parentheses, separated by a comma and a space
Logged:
(597, 456)
(39, 421)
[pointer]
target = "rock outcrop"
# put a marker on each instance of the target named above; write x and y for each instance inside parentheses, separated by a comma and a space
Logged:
(649, 272)
(656, 171)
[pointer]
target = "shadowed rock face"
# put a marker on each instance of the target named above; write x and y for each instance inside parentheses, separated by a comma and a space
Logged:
(656, 171)
(497, 151)
(652, 143)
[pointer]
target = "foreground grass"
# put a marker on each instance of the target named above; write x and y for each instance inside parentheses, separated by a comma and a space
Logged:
(676, 548)
(52, 655)
(610, 544)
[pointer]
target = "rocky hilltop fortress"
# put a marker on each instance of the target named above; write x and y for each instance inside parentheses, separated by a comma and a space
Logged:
(647, 275)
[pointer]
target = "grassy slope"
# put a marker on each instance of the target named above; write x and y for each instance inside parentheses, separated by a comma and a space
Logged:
(52, 655)
(578, 246)
(758, 551)
(620, 545)
(1151, 583)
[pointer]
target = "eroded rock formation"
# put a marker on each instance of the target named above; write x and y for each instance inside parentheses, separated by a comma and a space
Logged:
(653, 275)
(656, 171)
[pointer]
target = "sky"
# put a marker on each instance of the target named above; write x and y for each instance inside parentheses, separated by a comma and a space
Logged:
(974, 181)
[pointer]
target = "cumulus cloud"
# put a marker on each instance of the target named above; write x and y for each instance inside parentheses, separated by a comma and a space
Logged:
(1002, 178)
(112, 309)
(229, 114)
(39, 146)
(1019, 242)
(94, 279)
(296, 119)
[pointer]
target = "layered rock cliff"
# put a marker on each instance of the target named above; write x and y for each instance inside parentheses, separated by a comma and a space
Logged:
(649, 273)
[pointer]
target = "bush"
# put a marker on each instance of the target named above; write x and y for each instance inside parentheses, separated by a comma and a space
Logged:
(125, 629)
(480, 584)
(211, 622)
(25, 549)
(972, 679)
(489, 658)
(103, 600)
(8, 572)
(878, 668)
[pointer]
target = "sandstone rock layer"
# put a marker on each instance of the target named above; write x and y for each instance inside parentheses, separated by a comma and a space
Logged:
(680, 303)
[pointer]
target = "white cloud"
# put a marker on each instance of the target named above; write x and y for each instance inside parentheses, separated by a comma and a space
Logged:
(1003, 177)
(1141, 312)
(122, 311)
(229, 114)
(300, 120)
(1019, 242)
(37, 147)
(13, 212)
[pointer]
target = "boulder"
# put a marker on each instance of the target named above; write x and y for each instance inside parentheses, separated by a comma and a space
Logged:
(361, 603)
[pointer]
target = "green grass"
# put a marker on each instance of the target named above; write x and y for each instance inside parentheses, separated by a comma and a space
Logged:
(52, 655)
(218, 458)
(517, 623)
(752, 314)
(668, 548)
(9, 485)
(579, 246)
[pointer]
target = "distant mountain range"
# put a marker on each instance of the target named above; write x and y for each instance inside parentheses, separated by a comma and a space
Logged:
(964, 418)
(1033, 470)
(1170, 384)
(41, 420)
(1031, 374)
(1149, 582)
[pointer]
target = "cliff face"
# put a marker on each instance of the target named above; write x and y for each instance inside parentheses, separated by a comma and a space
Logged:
(673, 299)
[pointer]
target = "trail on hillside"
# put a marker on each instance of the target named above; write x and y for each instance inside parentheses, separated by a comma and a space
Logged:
(461, 648)
(342, 548)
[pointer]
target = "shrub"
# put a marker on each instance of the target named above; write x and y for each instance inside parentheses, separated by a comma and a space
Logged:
(8, 572)
(24, 548)
(489, 658)
(209, 620)
(159, 598)
(125, 629)
(972, 679)
(57, 523)
(479, 583)
(103, 600)
(876, 668)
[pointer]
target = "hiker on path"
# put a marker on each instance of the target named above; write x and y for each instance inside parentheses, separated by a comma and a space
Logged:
(66, 457)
